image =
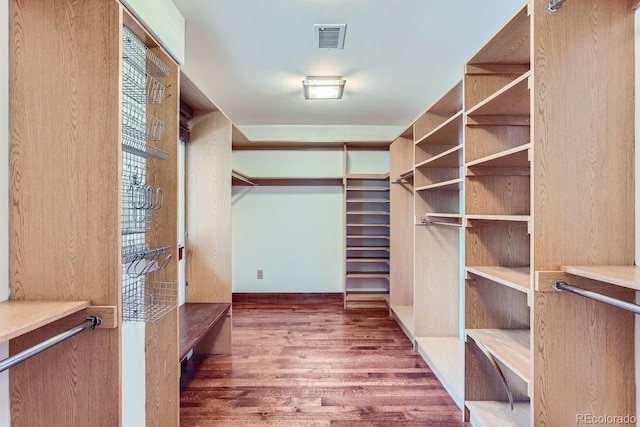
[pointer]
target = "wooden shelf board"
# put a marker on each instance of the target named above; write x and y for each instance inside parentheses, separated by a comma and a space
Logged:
(369, 260)
(499, 414)
(360, 188)
(510, 346)
(368, 225)
(442, 215)
(362, 236)
(368, 248)
(21, 317)
(367, 200)
(510, 45)
(518, 278)
(515, 157)
(367, 213)
(450, 102)
(511, 100)
(447, 159)
(405, 318)
(445, 356)
(452, 185)
(627, 276)
(406, 174)
(448, 133)
(372, 176)
(296, 180)
(367, 276)
(506, 218)
(367, 294)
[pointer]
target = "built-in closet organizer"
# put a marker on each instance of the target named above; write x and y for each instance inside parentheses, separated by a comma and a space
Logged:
(547, 171)
(69, 221)
(548, 182)
(366, 237)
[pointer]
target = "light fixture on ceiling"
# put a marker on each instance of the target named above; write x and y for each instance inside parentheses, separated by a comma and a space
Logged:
(316, 87)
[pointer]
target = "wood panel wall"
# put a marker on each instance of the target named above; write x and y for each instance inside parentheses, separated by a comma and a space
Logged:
(65, 202)
(208, 216)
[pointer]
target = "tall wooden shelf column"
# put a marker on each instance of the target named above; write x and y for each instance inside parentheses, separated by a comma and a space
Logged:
(65, 218)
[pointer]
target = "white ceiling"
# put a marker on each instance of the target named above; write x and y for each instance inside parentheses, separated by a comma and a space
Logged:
(250, 56)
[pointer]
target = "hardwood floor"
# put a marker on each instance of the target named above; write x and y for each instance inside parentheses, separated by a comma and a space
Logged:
(302, 360)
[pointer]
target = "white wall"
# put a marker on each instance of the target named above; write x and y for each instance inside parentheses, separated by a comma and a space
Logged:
(163, 19)
(4, 188)
(293, 233)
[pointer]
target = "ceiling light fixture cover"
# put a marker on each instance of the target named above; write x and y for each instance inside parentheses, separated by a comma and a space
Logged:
(316, 87)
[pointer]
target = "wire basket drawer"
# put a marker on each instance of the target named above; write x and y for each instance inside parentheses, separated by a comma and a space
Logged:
(147, 301)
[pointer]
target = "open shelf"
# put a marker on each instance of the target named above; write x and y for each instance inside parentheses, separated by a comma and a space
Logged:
(511, 100)
(360, 188)
(367, 200)
(368, 276)
(510, 346)
(518, 278)
(368, 248)
(21, 317)
(448, 133)
(498, 218)
(451, 185)
(368, 225)
(372, 176)
(442, 215)
(627, 276)
(447, 159)
(510, 45)
(499, 414)
(515, 157)
(297, 180)
(404, 315)
(369, 260)
(445, 356)
(367, 213)
(367, 236)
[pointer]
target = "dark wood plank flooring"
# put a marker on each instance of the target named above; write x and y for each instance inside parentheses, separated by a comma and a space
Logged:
(304, 361)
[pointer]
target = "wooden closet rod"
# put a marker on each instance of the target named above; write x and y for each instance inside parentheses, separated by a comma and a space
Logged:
(561, 285)
(89, 323)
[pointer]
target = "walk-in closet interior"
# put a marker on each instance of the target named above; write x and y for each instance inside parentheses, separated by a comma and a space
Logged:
(496, 226)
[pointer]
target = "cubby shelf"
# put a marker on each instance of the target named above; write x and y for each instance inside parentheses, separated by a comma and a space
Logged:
(511, 100)
(21, 317)
(446, 159)
(368, 225)
(367, 275)
(451, 185)
(367, 200)
(448, 133)
(369, 260)
(367, 237)
(510, 346)
(514, 157)
(368, 248)
(359, 188)
(518, 278)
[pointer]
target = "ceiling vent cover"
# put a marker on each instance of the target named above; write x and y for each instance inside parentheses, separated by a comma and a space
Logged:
(329, 36)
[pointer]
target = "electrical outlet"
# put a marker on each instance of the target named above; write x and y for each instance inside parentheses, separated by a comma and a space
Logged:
(260, 274)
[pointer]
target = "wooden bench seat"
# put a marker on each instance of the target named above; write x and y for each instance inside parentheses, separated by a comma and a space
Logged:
(197, 321)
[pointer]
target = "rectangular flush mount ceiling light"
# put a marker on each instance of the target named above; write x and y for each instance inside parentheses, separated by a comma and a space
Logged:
(323, 87)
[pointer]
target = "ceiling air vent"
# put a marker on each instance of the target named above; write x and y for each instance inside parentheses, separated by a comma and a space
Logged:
(329, 36)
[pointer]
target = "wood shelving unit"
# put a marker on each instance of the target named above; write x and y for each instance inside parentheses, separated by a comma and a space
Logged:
(367, 241)
(445, 355)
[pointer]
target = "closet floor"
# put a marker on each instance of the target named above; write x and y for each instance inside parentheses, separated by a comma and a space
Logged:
(302, 360)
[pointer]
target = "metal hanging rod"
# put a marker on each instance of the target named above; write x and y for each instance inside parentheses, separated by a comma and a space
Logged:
(243, 178)
(446, 224)
(561, 285)
(89, 323)
(554, 5)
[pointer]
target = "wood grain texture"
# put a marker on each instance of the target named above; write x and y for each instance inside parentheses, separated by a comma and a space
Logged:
(21, 317)
(64, 227)
(484, 141)
(445, 356)
(510, 100)
(440, 112)
(302, 363)
(196, 320)
(109, 315)
(208, 216)
(401, 221)
(511, 346)
(490, 305)
(504, 244)
(627, 276)
(477, 88)
(497, 195)
(437, 281)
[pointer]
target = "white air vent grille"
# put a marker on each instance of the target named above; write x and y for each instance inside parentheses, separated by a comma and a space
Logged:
(329, 36)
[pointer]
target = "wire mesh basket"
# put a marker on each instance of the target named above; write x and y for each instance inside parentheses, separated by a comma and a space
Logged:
(141, 87)
(136, 53)
(147, 301)
(142, 149)
(138, 124)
